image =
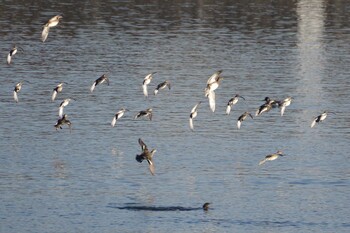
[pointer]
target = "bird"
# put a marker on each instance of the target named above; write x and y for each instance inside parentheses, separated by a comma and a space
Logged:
(51, 23)
(284, 103)
(211, 98)
(118, 115)
(144, 113)
(271, 157)
(57, 90)
(273, 103)
(265, 107)
(162, 86)
(18, 87)
(146, 81)
(100, 80)
(320, 118)
(213, 82)
(194, 114)
(242, 118)
(63, 104)
(63, 121)
(12, 52)
(206, 206)
(231, 102)
(146, 155)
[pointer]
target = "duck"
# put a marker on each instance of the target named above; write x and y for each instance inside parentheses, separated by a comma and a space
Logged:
(146, 155)
(144, 113)
(56, 90)
(51, 23)
(320, 118)
(242, 118)
(118, 115)
(231, 102)
(100, 80)
(271, 157)
(194, 114)
(162, 86)
(146, 81)
(63, 121)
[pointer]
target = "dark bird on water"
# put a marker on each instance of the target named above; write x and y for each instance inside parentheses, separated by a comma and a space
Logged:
(320, 118)
(242, 118)
(146, 155)
(100, 80)
(162, 86)
(63, 121)
(144, 113)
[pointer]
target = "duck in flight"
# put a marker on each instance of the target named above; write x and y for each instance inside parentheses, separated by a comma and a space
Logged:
(144, 113)
(146, 155)
(63, 121)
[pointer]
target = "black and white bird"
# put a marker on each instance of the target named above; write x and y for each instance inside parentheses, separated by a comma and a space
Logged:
(144, 113)
(17, 88)
(147, 80)
(284, 103)
(212, 84)
(100, 80)
(320, 118)
(271, 157)
(194, 114)
(56, 90)
(267, 106)
(146, 155)
(12, 52)
(162, 86)
(231, 102)
(51, 23)
(63, 121)
(118, 115)
(242, 118)
(63, 104)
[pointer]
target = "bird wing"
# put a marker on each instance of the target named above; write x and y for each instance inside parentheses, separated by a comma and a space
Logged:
(313, 122)
(191, 123)
(239, 124)
(228, 109)
(195, 107)
(45, 33)
(15, 97)
(151, 166)
(213, 78)
(211, 98)
(145, 91)
(60, 111)
(93, 87)
(142, 144)
(54, 94)
(9, 58)
(114, 121)
(262, 162)
(282, 109)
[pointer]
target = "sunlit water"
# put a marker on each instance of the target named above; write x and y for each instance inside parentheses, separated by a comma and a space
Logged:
(56, 181)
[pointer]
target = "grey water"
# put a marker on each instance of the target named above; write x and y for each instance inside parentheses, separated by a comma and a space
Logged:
(89, 181)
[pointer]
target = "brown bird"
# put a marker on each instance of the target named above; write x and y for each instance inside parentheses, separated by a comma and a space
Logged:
(63, 121)
(51, 23)
(146, 155)
(271, 157)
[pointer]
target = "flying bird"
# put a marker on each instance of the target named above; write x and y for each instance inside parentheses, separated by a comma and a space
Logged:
(63, 104)
(51, 23)
(56, 90)
(265, 107)
(271, 157)
(18, 87)
(231, 102)
(194, 114)
(162, 86)
(100, 80)
(146, 81)
(213, 82)
(63, 121)
(146, 155)
(284, 103)
(242, 118)
(320, 118)
(118, 115)
(144, 113)
(12, 52)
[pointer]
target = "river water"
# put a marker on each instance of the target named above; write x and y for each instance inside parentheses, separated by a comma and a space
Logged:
(89, 181)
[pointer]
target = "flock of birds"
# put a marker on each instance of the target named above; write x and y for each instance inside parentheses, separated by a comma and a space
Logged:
(212, 84)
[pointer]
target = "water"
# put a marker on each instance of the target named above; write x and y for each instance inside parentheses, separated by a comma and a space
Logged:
(54, 181)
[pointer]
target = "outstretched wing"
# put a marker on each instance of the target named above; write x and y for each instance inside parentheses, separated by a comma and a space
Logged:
(142, 144)
(45, 33)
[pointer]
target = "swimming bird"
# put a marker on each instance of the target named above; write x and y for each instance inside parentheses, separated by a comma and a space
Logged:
(320, 118)
(118, 115)
(242, 118)
(206, 206)
(146, 81)
(12, 52)
(51, 23)
(284, 103)
(63, 121)
(271, 157)
(63, 104)
(18, 87)
(231, 102)
(213, 82)
(162, 86)
(194, 114)
(56, 90)
(100, 80)
(146, 155)
(144, 113)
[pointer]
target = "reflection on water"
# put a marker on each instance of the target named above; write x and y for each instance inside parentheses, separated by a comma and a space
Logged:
(54, 181)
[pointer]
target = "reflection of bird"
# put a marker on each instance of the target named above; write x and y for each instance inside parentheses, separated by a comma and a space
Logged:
(146, 81)
(118, 115)
(12, 52)
(63, 104)
(271, 157)
(18, 87)
(56, 90)
(284, 103)
(320, 118)
(100, 80)
(63, 121)
(51, 23)
(193, 114)
(144, 113)
(162, 86)
(242, 118)
(231, 102)
(146, 155)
